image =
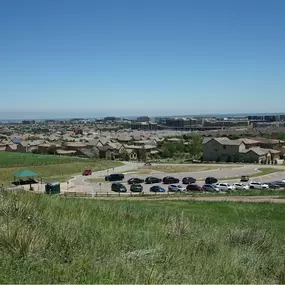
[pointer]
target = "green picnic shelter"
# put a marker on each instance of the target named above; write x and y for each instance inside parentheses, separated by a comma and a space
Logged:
(24, 174)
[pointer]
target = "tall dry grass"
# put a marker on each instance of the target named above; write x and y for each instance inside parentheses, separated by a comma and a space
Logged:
(47, 239)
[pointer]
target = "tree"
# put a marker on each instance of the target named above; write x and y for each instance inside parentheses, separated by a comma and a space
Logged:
(195, 148)
(51, 149)
(124, 156)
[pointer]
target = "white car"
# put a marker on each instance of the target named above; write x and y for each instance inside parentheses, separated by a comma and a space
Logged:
(176, 188)
(225, 186)
(241, 186)
(257, 185)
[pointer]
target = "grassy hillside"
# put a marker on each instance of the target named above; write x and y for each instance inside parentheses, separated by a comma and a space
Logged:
(57, 168)
(63, 240)
(8, 159)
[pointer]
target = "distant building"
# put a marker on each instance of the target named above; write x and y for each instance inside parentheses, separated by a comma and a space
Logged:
(145, 126)
(143, 119)
(111, 119)
(28, 122)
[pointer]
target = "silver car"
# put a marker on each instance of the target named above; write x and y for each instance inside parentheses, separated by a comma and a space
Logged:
(176, 188)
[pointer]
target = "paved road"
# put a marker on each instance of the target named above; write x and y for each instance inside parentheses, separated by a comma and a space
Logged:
(80, 184)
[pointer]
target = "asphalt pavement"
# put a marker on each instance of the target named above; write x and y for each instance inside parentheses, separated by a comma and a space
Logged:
(230, 174)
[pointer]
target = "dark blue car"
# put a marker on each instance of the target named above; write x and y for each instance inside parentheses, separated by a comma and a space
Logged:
(156, 188)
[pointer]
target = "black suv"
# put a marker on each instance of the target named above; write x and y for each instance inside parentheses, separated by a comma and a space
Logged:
(114, 177)
(211, 180)
(136, 188)
(135, 180)
(170, 180)
(150, 180)
(244, 178)
(188, 180)
(118, 187)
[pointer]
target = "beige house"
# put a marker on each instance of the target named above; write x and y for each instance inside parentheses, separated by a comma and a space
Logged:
(222, 149)
(132, 154)
(28, 146)
(259, 155)
(11, 148)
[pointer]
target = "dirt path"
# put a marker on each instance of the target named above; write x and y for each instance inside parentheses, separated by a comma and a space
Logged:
(250, 199)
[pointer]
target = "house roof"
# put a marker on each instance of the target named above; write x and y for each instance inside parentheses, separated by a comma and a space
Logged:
(63, 151)
(260, 151)
(115, 145)
(16, 140)
(104, 148)
(124, 138)
(76, 144)
(248, 141)
(12, 146)
(207, 139)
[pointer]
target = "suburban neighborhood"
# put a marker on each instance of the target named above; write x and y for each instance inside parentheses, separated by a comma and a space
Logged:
(226, 140)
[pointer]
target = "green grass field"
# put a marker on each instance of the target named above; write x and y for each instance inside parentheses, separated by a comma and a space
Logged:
(49, 167)
(10, 159)
(63, 240)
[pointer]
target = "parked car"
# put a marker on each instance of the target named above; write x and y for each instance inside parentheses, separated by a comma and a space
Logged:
(87, 172)
(272, 185)
(194, 187)
(151, 180)
(118, 187)
(114, 177)
(280, 183)
(188, 180)
(257, 185)
(225, 186)
(211, 180)
(135, 180)
(170, 180)
(241, 186)
(156, 188)
(210, 188)
(136, 188)
(244, 178)
(176, 188)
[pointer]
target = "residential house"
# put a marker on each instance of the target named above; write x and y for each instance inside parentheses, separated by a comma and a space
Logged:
(132, 154)
(222, 149)
(2, 147)
(106, 152)
(75, 145)
(11, 148)
(42, 148)
(259, 155)
(28, 146)
(249, 143)
(143, 152)
(269, 143)
(124, 139)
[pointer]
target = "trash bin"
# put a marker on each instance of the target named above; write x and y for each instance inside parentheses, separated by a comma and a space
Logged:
(52, 188)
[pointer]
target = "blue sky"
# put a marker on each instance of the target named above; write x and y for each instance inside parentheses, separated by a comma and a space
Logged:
(152, 57)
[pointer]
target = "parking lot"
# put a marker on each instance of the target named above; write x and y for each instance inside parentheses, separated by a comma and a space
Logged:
(229, 174)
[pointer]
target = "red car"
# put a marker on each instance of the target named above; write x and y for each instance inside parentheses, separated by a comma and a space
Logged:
(194, 187)
(87, 172)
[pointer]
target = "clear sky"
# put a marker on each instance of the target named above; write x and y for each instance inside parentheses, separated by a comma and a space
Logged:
(141, 57)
